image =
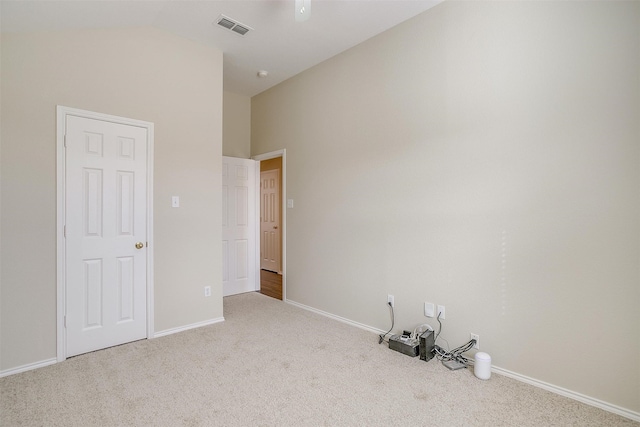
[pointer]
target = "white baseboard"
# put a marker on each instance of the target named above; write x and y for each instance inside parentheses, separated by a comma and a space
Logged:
(48, 362)
(627, 413)
(28, 367)
(187, 327)
(338, 318)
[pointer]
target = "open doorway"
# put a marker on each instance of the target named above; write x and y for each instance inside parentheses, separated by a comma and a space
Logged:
(270, 215)
(272, 220)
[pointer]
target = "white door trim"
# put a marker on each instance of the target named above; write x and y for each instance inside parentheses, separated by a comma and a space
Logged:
(62, 113)
(266, 156)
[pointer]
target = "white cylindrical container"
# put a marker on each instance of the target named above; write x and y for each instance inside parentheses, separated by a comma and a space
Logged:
(482, 366)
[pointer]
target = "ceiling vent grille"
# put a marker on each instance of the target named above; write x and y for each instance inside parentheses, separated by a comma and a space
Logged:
(233, 25)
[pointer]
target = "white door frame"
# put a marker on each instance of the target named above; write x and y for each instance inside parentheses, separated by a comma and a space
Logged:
(283, 206)
(62, 113)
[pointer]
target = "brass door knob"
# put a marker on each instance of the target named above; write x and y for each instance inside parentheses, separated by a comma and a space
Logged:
(139, 245)
(275, 227)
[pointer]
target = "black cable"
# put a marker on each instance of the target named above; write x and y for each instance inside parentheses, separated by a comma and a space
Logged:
(393, 321)
(439, 329)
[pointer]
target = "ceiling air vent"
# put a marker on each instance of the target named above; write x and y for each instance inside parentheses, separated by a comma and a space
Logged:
(233, 25)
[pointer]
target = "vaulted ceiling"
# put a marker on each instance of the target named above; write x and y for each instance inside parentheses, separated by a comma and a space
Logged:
(276, 43)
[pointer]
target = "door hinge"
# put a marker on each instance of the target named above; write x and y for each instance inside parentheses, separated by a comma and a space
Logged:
(64, 231)
(65, 140)
(65, 321)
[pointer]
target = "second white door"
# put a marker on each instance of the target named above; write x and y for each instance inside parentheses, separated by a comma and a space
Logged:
(238, 226)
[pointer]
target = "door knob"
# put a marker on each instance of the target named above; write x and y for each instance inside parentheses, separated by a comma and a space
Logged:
(139, 245)
(275, 227)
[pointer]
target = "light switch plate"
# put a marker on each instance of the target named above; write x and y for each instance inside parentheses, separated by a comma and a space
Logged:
(429, 309)
(175, 202)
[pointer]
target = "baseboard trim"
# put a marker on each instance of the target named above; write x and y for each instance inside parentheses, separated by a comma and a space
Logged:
(187, 327)
(28, 367)
(48, 362)
(627, 413)
(635, 416)
(338, 318)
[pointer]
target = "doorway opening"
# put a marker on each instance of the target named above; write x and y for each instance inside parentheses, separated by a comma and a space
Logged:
(272, 220)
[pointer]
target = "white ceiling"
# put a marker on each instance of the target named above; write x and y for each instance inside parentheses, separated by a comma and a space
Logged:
(277, 43)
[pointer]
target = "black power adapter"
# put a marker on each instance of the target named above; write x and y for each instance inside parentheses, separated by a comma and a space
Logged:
(427, 344)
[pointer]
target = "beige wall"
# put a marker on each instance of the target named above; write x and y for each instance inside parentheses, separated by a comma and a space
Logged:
(484, 156)
(144, 74)
(236, 128)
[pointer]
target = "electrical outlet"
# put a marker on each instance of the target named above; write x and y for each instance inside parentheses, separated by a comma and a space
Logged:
(390, 300)
(441, 311)
(207, 291)
(477, 338)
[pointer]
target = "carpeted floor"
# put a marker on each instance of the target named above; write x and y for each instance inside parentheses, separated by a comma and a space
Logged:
(273, 364)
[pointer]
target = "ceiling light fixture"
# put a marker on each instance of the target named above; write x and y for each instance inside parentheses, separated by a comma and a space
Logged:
(263, 73)
(303, 10)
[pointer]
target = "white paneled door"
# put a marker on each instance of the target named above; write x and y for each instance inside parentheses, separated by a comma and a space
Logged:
(106, 234)
(270, 221)
(239, 271)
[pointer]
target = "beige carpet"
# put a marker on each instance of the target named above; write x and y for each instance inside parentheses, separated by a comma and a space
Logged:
(273, 364)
